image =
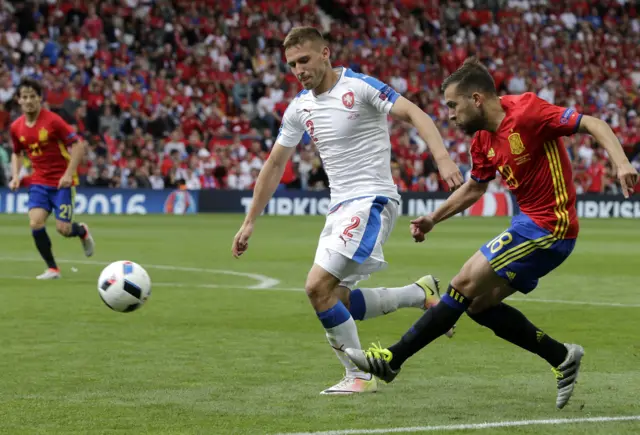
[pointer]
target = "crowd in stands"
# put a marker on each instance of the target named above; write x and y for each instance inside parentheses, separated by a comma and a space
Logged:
(190, 93)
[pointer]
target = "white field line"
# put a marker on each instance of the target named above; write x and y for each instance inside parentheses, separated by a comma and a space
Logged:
(471, 426)
(263, 281)
(268, 283)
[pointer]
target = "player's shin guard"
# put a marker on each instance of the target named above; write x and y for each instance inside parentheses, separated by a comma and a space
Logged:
(341, 333)
(511, 325)
(435, 322)
(43, 243)
(368, 303)
(77, 230)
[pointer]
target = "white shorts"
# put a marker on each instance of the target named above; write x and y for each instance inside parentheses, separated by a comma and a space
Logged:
(350, 246)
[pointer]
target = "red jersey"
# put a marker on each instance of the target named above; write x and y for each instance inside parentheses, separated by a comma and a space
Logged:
(528, 152)
(46, 145)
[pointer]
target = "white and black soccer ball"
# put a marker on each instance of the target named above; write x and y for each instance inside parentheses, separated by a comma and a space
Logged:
(124, 286)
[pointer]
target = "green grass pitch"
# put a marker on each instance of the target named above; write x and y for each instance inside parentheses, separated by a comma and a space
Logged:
(207, 355)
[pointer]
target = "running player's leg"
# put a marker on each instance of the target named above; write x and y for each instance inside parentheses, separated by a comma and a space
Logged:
(511, 325)
(340, 328)
(474, 279)
(507, 263)
(63, 205)
(367, 303)
(521, 270)
(39, 209)
(344, 255)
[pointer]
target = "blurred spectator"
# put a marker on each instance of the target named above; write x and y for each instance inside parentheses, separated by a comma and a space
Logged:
(191, 94)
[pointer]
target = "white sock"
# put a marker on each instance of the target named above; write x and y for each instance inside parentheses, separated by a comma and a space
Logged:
(367, 303)
(342, 333)
(342, 337)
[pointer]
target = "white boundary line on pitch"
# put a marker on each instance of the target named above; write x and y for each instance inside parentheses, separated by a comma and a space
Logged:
(299, 289)
(263, 281)
(471, 426)
(268, 283)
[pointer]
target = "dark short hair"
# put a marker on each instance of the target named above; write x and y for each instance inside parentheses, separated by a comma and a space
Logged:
(302, 34)
(471, 77)
(29, 82)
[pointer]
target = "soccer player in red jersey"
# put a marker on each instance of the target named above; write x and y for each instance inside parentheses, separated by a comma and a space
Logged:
(45, 138)
(520, 137)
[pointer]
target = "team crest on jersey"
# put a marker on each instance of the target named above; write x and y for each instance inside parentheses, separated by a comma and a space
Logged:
(43, 135)
(515, 141)
(348, 100)
(23, 139)
(491, 154)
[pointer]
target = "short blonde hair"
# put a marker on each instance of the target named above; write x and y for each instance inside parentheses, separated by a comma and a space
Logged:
(300, 35)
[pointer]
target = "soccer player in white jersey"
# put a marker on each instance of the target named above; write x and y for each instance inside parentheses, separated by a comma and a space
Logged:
(345, 113)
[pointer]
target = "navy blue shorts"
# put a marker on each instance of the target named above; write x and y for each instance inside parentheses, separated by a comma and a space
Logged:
(61, 201)
(525, 252)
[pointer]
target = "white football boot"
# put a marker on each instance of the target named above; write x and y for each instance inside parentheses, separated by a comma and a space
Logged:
(50, 274)
(87, 241)
(353, 385)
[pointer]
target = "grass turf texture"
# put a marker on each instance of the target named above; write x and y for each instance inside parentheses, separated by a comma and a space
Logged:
(209, 357)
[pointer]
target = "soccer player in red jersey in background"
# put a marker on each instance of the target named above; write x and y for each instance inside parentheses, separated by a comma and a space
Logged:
(520, 137)
(45, 137)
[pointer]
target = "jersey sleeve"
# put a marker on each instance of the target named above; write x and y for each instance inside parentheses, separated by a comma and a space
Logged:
(15, 140)
(291, 130)
(63, 131)
(554, 121)
(482, 170)
(378, 94)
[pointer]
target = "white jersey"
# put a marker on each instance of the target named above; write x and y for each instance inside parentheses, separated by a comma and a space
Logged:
(348, 125)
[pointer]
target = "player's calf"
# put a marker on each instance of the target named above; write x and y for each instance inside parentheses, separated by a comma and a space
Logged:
(344, 295)
(71, 229)
(37, 222)
(367, 303)
(341, 331)
(511, 325)
(64, 228)
(87, 240)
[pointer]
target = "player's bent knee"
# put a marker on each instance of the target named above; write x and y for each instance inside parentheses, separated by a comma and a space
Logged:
(317, 290)
(476, 277)
(463, 283)
(37, 218)
(320, 285)
(36, 224)
(489, 299)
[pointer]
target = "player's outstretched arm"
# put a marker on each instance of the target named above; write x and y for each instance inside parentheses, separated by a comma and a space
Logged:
(459, 201)
(266, 184)
(602, 132)
(407, 111)
(16, 164)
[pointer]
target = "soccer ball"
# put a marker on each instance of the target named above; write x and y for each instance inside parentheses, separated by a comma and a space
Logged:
(124, 286)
